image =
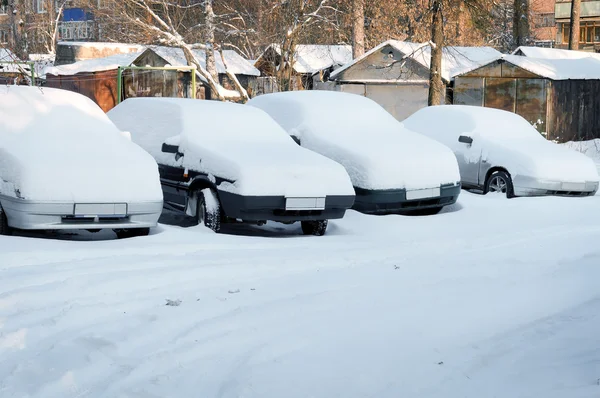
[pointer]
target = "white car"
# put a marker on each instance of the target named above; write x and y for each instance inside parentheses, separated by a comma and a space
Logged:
(224, 162)
(393, 170)
(65, 165)
(499, 151)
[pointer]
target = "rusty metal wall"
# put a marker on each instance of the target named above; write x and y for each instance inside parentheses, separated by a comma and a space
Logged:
(532, 102)
(468, 91)
(574, 110)
(500, 93)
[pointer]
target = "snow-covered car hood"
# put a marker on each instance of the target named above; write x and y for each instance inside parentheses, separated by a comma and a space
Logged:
(542, 160)
(235, 142)
(56, 145)
(376, 150)
(287, 170)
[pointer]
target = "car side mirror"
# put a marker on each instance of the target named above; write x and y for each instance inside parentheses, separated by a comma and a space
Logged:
(167, 148)
(465, 139)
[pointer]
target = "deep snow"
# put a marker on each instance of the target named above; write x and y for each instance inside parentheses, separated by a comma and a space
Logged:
(491, 298)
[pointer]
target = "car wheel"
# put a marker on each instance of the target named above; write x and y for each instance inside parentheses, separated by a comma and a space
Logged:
(500, 182)
(208, 210)
(316, 228)
(132, 232)
(4, 228)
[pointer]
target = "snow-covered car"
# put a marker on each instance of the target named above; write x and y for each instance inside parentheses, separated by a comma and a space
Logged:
(224, 162)
(499, 151)
(393, 170)
(65, 165)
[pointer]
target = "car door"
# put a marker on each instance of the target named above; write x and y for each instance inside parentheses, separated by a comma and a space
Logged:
(468, 155)
(172, 179)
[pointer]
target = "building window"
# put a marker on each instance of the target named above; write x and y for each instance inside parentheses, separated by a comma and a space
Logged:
(566, 33)
(589, 32)
(40, 6)
(3, 10)
(3, 37)
(545, 20)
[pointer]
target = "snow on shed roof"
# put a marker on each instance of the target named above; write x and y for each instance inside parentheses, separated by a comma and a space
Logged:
(554, 69)
(454, 59)
(312, 58)
(236, 64)
(7, 56)
(124, 47)
(553, 53)
(93, 65)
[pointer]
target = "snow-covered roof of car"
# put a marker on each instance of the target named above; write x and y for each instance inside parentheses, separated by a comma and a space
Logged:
(454, 59)
(59, 145)
(358, 133)
(232, 141)
(453, 120)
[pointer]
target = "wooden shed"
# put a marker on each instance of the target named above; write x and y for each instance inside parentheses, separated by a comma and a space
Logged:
(395, 74)
(557, 96)
(98, 80)
(244, 71)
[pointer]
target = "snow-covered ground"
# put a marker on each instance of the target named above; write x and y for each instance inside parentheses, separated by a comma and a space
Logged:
(491, 298)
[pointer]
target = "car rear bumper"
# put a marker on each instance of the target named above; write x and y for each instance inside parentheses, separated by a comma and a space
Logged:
(530, 186)
(387, 201)
(273, 208)
(27, 214)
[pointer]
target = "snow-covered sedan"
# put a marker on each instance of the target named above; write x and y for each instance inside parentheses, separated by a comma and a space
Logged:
(393, 170)
(500, 151)
(224, 162)
(65, 165)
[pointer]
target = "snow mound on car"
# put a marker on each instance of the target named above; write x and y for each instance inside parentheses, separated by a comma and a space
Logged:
(375, 149)
(56, 145)
(231, 141)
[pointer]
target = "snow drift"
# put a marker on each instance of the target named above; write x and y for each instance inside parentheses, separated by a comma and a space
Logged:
(56, 145)
(506, 139)
(231, 141)
(375, 149)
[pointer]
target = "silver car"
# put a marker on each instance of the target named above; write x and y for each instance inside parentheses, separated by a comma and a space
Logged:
(499, 151)
(65, 165)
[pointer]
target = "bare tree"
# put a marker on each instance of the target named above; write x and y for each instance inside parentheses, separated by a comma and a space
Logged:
(521, 17)
(358, 28)
(436, 86)
(574, 25)
(170, 22)
(211, 65)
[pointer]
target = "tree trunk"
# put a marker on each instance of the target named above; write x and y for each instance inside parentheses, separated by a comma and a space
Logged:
(17, 39)
(236, 83)
(358, 28)
(436, 86)
(521, 23)
(574, 25)
(211, 65)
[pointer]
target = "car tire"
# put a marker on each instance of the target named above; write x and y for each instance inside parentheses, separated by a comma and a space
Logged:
(208, 210)
(316, 228)
(4, 228)
(131, 233)
(500, 182)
